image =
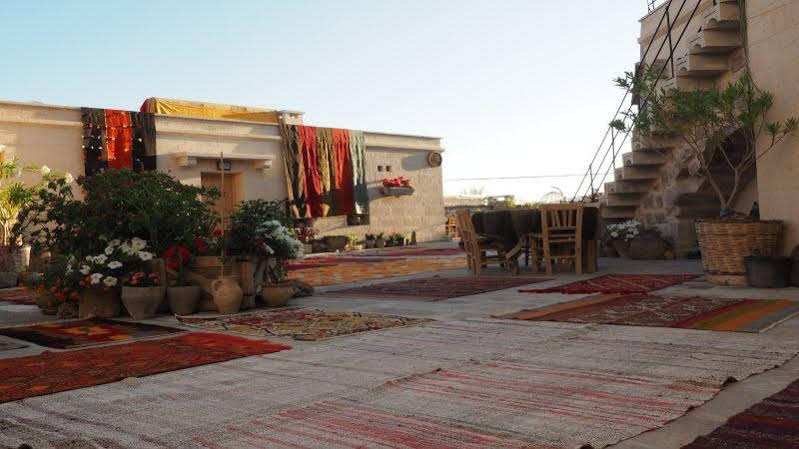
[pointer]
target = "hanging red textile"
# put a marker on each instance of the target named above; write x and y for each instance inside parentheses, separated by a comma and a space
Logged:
(345, 199)
(313, 176)
(120, 139)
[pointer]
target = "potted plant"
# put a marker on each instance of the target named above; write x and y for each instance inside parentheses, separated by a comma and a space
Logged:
(306, 234)
(619, 236)
(142, 294)
(380, 241)
(369, 241)
(725, 131)
(183, 296)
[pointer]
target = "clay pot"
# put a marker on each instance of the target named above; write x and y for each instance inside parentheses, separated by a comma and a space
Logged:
(622, 248)
(369, 244)
(227, 294)
(380, 242)
(277, 295)
(96, 302)
(46, 302)
(647, 248)
(183, 300)
(142, 302)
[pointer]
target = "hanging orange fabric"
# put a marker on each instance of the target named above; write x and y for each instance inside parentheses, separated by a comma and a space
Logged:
(313, 176)
(120, 139)
(342, 177)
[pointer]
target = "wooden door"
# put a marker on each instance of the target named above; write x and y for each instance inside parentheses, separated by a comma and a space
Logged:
(232, 192)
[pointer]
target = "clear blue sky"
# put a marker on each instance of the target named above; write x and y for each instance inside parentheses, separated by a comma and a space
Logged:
(514, 87)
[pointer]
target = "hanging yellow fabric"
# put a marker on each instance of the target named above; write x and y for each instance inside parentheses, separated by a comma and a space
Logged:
(166, 106)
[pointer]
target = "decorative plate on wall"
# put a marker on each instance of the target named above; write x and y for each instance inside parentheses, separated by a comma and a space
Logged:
(434, 159)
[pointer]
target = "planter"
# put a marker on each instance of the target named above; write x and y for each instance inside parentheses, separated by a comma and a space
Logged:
(609, 250)
(647, 248)
(336, 242)
(277, 295)
(396, 191)
(96, 302)
(622, 248)
(183, 300)
(368, 244)
(46, 302)
(22, 257)
(307, 248)
(142, 302)
(227, 294)
(768, 272)
(8, 279)
(380, 242)
(725, 244)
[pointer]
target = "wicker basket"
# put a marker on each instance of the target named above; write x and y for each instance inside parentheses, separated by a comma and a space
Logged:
(725, 243)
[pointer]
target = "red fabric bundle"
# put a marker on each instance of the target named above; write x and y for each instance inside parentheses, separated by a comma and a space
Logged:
(313, 176)
(120, 139)
(345, 202)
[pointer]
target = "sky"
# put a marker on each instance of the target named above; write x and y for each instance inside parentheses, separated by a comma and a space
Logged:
(514, 88)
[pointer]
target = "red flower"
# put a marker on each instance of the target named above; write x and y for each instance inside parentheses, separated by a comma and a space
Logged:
(217, 233)
(200, 244)
(176, 256)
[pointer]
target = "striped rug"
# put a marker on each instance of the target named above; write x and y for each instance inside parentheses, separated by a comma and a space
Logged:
(694, 312)
(619, 283)
(436, 288)
(354, 272)
(19, 296)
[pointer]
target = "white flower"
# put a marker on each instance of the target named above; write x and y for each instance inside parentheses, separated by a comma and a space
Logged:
(138, 244)
(85, 270)
(96, 278)
(68, 178)
(100, 259)
(114, 264)
(45, 170)
(89, 258)
(114, 242)
(145, 256)
(110, 281)
(127, 249)
(109, 250)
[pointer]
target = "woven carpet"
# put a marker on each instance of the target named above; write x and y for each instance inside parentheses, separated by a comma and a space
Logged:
(316, 262)
(301, 324)
(19, 296)
(51, 372)
(695, 312)
(435, 288)
(591, 364)
(353, 272)
(82, 333)
(770, 424)
(415, 252)
(619, 283)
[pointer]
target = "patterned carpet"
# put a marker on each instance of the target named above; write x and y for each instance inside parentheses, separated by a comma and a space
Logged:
(435, 288)
(770, 424)
(19, 296)
(316, 262)
(717, 314)
(619, 283)
(353, 272)
(300, 324)
(415, 252)
(51, 372)
(82, 333)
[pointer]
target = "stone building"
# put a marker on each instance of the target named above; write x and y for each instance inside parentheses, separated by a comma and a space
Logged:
(657, 183)
(189, 147)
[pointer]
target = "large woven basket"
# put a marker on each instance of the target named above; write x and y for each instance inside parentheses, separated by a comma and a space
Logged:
(724, 245)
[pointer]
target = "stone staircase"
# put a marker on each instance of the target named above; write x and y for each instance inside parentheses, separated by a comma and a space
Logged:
(656, 183)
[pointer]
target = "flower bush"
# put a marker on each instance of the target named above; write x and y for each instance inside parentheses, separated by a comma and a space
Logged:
(626, 231)
(142, 279)
(110, 267)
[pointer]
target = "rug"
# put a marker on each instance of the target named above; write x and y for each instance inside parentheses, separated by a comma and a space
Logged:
(435, 288)
(82, 333)
(18, 296)
(300, 324)
(354, 272)
(770, 424)
(316, 262)
(6, 345)
(694, 312)
(414, 252)
(619, 283)
(51, 372)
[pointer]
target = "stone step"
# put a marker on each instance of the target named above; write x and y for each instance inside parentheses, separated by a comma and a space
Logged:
(645, 158)
(725, 15)
(639, 173)
(613, 213)
(687, 83)
(627, 187)
(623, 199)
(716, 41)
(701, 65)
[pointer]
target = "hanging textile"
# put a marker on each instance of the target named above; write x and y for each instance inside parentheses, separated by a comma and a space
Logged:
(166, 106)
(119, 139)
(360, 192)
(313, 175)
(324, 143)
(295, 172)
(143, 125)
(342, 169)
(94, 138)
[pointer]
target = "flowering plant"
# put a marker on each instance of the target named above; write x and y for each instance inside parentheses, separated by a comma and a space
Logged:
(626, 231)
(177, 257)
(142, 279)
(105, 270)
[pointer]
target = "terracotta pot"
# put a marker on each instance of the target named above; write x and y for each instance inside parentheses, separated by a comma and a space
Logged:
(647, 248)
(622, 247)
(183, 300)
(142, 302)
(277, 295)
(380, 243)
(227, 294)
(96, 302)
(46, 302)
(369, 244)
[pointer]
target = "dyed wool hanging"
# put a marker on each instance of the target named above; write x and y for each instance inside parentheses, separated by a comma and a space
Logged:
(295, 172)
(119, 137)
(324, 145)
(342, 179)
(117, 140)
(143, 125)
(360, 193)
(94, 152)
(313, 176)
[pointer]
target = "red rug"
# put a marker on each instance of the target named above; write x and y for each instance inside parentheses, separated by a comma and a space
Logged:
(410, 252)
(770, 424)
(88, 332)
(18, 296)
(619, 283)
(316, 262)
(52, 372)
(435, 288)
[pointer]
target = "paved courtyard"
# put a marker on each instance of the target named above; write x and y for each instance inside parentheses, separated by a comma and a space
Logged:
(463, 380)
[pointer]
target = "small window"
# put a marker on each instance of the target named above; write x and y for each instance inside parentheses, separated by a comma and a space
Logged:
(388, 168)
(379, 168)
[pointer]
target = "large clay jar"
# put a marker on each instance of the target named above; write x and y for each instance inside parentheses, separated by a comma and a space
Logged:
(277, 295)
(227, 294)
(142, 302)
(96, 302)
(183, 300)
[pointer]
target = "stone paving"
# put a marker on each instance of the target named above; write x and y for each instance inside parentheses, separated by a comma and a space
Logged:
(732, 399)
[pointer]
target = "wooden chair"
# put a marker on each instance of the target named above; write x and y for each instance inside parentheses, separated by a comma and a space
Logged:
(562, 230)
(477, 247)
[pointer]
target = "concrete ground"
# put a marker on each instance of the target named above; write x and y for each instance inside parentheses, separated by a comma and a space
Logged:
(732, 399)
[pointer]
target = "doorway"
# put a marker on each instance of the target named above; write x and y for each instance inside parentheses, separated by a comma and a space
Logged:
(233, 192)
